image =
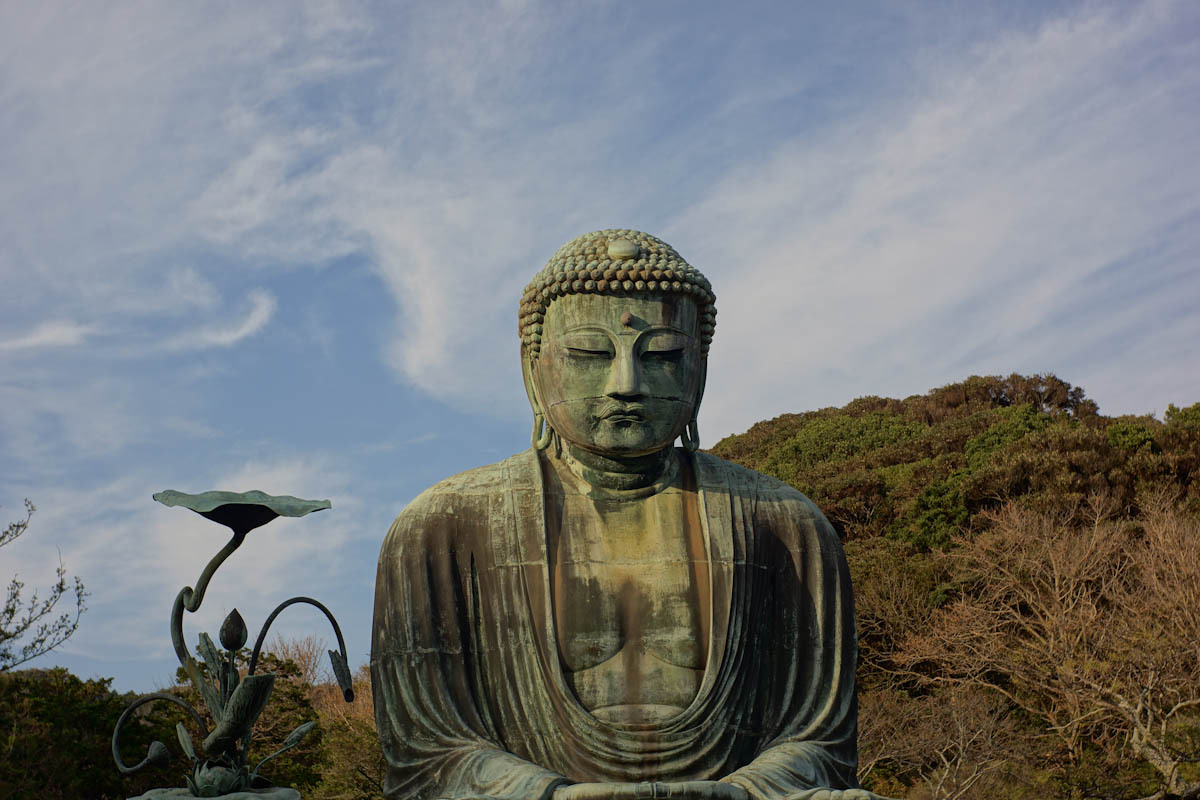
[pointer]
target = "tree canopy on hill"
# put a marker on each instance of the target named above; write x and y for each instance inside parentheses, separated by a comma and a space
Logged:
(1025, 585)
(922, 469)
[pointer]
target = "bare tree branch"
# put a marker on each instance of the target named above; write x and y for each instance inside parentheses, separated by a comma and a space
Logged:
(33, 620)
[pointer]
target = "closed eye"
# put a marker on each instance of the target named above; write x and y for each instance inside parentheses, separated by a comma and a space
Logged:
(584, 353)
(664, 355)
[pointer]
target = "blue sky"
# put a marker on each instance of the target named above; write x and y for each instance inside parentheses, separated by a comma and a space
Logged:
(279, 246)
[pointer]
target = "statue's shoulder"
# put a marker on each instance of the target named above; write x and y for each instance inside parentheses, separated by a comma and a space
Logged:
(766, 491)
(455, 501)
(744, 479)
(482, 482)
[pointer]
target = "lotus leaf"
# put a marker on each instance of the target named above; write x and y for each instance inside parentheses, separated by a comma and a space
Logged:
(241, 511)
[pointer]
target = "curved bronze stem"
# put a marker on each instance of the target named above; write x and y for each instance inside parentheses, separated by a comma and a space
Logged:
(262, 635)
(190, 599)
(141, 701)
(343, 674)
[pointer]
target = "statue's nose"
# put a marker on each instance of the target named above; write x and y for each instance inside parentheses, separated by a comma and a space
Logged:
(625, 377)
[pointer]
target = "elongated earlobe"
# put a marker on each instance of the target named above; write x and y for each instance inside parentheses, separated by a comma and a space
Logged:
(542, 434)
(690, 438)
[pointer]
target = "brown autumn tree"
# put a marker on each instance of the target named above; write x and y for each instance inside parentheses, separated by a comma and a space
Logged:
(1092, 629)
(309, 654)
(353, 767)
(958, 743)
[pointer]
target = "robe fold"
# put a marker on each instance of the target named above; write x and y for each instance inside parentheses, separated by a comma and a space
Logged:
(470, 696)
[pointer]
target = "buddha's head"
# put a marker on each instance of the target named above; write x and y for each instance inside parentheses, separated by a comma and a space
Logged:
(614, 344)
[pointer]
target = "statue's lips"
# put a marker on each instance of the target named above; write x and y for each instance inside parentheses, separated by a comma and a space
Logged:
(623, 415)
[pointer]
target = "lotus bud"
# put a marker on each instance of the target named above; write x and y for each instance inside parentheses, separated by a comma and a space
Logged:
(159, 755)
(233, 631)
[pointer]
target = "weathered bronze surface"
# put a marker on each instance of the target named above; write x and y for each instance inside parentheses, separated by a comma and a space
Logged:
(604, 615)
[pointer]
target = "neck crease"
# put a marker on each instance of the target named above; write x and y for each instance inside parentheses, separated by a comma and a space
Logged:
(636, 475)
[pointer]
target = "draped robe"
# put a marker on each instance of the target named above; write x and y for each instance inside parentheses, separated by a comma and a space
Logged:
(470, 696)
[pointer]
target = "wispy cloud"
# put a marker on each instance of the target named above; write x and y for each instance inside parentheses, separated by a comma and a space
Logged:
(262, 308)
(54, 333)
(1002, 220)
(48, 422)
(1012, 169)
(1014, 164)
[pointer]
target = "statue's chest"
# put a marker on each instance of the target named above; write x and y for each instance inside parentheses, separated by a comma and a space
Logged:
(630, 580)
(650, 608)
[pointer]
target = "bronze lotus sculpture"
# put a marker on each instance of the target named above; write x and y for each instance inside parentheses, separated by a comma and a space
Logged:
(606, 616)
(235, 701)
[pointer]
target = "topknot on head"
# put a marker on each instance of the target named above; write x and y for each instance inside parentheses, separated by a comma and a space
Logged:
(613, 262)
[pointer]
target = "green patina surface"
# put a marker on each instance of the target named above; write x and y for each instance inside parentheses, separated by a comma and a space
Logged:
(606, 615)
(241, 511)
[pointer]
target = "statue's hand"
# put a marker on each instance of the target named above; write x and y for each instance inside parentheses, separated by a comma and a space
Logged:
(684, 790)
(596, 791)
(704, 790)
(836, 794)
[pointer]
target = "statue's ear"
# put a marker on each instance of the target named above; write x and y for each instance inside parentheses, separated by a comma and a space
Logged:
(700, 388)
(543, 435)
(530, 386)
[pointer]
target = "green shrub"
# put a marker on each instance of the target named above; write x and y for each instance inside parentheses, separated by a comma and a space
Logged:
(56, 734)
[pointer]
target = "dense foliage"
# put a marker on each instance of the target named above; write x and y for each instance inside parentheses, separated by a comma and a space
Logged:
(56, 733)
(1026, 574)
(921, 470)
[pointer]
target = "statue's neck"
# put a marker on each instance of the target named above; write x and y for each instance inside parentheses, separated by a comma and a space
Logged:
(637, 475)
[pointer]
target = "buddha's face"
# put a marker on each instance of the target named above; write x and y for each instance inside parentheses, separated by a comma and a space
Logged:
(619, 376)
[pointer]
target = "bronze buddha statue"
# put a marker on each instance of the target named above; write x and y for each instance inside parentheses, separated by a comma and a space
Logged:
(606, 615)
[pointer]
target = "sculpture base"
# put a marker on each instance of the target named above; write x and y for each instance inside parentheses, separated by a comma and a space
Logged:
(274, 793)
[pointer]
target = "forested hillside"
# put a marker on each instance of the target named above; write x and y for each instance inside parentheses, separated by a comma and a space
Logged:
(920, 470)
(1027, 577)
